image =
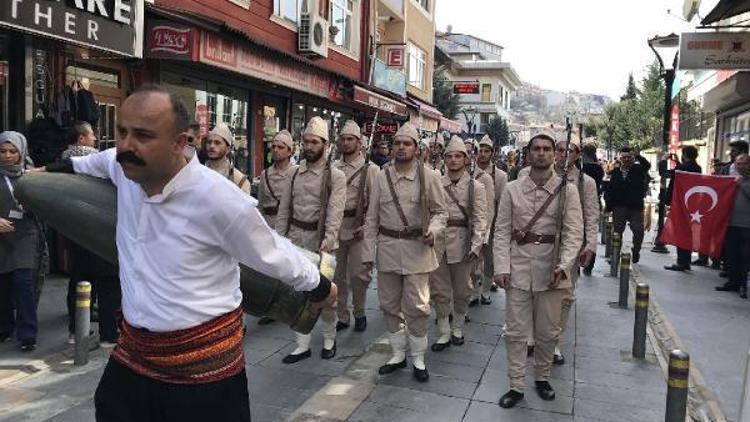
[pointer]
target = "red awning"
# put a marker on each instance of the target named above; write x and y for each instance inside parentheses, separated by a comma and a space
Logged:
(451, 126)
(426, 110)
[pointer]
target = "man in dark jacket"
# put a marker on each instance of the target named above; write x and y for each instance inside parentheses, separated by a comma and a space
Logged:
(689, 155)
(624, 197)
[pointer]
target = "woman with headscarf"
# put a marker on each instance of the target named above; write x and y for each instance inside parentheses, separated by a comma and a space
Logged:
(19, 236)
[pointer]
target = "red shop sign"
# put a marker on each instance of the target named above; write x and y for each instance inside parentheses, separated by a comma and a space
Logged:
(167, 40)
(382, 128)
(466, 87)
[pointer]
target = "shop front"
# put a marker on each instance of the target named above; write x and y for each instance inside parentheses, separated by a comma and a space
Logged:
(424, 116)
(383, 114)
(730, 100)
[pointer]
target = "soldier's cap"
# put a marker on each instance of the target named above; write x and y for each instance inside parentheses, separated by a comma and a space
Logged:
(439, 140)
(317, 127)
(456, 145)
(222, 131)
(424, 143)
(351, 128)
(544, 135)
(285, 138)
(408, 130)
(574, 141)
(486, 140)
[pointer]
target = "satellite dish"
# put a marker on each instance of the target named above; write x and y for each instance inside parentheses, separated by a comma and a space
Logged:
(690, 9)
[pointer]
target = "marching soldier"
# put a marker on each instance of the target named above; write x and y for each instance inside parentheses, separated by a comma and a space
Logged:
(459, 246)
(589, 200)
(499, 181)
(407, 212)
(489, 188)
(350, 272)
(274, 183)
(436, 153)
(310, 215)
(535, 280)
(218, 147)
(425, 153)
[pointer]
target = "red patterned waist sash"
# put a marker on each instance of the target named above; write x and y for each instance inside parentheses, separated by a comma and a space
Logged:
(208, 352)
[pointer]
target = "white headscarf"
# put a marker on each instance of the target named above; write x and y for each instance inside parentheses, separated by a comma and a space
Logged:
(19, 141)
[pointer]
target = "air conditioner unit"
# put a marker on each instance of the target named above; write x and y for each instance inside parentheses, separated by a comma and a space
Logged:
(313, 31)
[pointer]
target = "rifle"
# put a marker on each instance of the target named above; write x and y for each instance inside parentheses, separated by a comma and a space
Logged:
(472, 170)
(561, 199)
(325, 192)
(361, 205)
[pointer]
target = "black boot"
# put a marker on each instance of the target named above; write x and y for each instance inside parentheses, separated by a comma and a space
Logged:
(729, 286)
(265, 320)
(391, 367)
(473, 303)
(342, 326)
(544, 390)
(439, 347)
(328, 353)
(510, 399)
(360, 324)
(421, 375)
(290, 358)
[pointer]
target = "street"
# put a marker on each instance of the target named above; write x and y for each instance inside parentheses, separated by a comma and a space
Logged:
(599, 382)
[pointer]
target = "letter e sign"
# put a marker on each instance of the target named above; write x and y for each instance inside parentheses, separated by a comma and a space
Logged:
(395, 57)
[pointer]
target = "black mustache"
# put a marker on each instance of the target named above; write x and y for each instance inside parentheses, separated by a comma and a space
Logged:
(129, 157)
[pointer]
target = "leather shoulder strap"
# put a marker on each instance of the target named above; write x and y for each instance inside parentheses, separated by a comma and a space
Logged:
(355, 174)
(291, 201)
(541, 209)
(242, 182)
(395, 198)
(455, 201)
(270, 189)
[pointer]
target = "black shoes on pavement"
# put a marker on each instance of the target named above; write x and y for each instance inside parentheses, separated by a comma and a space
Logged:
(544, 390)
(421, 375)
(457, 341)
(290, 358)
(743, 292)
(636, 256)
(675, 267)
(360, 324)
(700, 262)
(494, 287)
(529, 350)
(328, 353)
(439, 347)
(473, 303)
(265, 320)
(391, 367)
(558, 359)
(485, 301)
(341, 326)
(728, 287)
(510, 399)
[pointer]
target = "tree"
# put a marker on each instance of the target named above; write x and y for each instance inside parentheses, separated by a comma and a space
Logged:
(445, 100)
(631, 92)
(497, 129)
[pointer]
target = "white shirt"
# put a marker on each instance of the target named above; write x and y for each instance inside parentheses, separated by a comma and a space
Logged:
(179, 250)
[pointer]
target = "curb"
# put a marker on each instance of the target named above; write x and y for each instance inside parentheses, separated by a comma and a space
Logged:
(703, 404)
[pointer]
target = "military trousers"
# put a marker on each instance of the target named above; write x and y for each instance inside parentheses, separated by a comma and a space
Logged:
(351, 275)
(451, 282)
(405, 299)
(526, 310)
(568, 300)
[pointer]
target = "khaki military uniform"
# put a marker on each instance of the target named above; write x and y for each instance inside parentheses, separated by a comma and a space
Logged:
(500, 181)
(351, 274)
(529, 299)
(225, 168)
(402, 259)
(274, 184)
(462, 236)
(299, 213)
(489, 188)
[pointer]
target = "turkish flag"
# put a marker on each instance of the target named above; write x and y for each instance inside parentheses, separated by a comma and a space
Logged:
(700, 211)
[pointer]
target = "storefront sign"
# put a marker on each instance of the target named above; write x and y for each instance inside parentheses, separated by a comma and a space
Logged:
(391, 80)
(223, 53)
(715, 50)
(674, 130)
(379, 102)
(394, 57)
(171, 41)
(466, 87)
(451, 126)
(40, 82)
(382, 128)
(114, 25)
(201, 116)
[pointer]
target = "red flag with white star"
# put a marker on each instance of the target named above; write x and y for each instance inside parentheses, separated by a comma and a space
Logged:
(700, 212)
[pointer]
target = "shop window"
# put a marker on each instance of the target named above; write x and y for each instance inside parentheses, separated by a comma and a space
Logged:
(417, 59)
(486, 93)
(341, 19)
(484, 120)
(105, 130)
(211, 105)
(95, 77)
(227, 111)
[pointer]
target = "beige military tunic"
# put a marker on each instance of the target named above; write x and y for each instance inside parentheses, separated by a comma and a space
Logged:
(351, 274)
(450, 282)
(301, 227)
(489, 188)
(403, 264)
(499, 181)
(225, 168)
(274, 184)
(529, 299)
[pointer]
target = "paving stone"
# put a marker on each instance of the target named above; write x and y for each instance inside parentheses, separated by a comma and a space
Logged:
(495, 383)
(449, 408)
(492, 412)
(450, 387)
(471, 374)
(639, 381)
(621, 396)
(268, 413)
(615, 413)
(382, 412)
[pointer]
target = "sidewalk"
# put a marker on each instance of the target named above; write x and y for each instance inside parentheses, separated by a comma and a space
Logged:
(599, 381)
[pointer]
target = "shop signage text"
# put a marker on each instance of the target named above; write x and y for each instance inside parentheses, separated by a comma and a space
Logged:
(379, 102)
(466, 87)
(395, 57)
(220, 52)
(382, 128)
(114, 25)
(674, 130)
(715, 50)
(166, 40)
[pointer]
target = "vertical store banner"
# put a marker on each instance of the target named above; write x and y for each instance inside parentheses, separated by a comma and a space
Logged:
(674, 130)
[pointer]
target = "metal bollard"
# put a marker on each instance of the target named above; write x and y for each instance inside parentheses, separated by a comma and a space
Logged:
(615, 254)
(622, 301)
(83, 322)
(608, 242)
(677, 386)
(744, 415)
(641, 320)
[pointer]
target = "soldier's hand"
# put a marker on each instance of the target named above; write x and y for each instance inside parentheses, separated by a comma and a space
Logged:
(428, 239)
(6, 226)
(502, 281)
(557, 276)
(585, 257)
(368, 266)
(471, 257)
(333, 296)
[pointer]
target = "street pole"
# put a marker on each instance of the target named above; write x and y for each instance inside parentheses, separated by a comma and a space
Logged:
(669, 76)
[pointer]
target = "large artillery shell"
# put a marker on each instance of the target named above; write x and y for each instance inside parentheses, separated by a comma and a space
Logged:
(84, 209)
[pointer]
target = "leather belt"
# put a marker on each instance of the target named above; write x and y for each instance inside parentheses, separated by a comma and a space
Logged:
(458, 223)
(304, 225)
(524, 238)
(270, 210)
(402, 234)
(350, 213)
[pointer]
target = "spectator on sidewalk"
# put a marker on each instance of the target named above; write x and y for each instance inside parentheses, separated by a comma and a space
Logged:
(381, 154)
(625, 198)
(736, 148)
(689, 164)
(19, 235)
(737, 242)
